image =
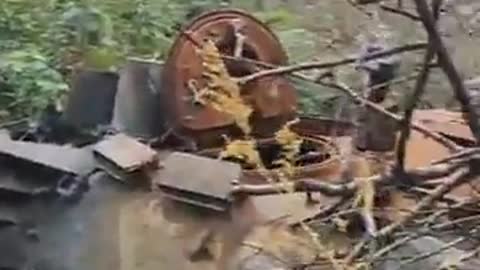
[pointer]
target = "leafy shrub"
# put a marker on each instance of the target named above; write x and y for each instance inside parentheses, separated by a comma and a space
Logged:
(29, 83)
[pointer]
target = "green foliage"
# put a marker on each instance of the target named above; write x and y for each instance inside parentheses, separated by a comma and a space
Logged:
(30, 83)
(39, 40)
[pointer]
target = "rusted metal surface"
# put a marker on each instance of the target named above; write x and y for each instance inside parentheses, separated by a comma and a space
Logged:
(324, 164)
(122, 155)
(323, 126)
(321, 160)
(198, 180)
(126, 152)
(449, 123)
(270, 97)
(61, 158)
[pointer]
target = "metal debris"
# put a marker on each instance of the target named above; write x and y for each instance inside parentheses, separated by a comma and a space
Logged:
(319, 157)
(201, 181)
(90, 102)
(273, 98)
(60, 158)
(137, 110)
(124, 157)
(12, 184)
(8, 217)
(449, 123)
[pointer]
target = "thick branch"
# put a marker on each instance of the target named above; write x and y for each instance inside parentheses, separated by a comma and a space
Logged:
(410, 107)
(416, 176)
(448, 67)
(417, 94)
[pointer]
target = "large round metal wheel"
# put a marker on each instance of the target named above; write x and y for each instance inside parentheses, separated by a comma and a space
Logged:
(270, 97)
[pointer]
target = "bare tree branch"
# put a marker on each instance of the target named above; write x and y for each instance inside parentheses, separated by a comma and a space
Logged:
(400, 12)
(417, 94)
(462, 176)
(415, 176)
(434, 252)
(417, 126)
(449, 68)
(425, 230)
(326, 65)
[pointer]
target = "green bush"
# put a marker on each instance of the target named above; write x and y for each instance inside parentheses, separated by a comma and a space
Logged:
(29, 83)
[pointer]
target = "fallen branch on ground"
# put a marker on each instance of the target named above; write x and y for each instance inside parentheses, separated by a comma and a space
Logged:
(414, 176)
(464, 175)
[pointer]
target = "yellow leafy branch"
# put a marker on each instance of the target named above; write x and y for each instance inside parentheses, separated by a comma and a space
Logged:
(222, 91)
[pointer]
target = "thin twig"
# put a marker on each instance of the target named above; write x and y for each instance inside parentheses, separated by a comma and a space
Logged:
(417, 126)
(447, 186)
(433, 217)
(326, 65)
(413, 236)
(434, 252)
(459, 155)
(456, 222)
(470, 255)
(415, 176)
(400, 12)
(360, 8)
(461, 177)
(398, 243)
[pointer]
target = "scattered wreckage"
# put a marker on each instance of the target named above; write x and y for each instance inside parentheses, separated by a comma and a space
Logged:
(63, 208)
